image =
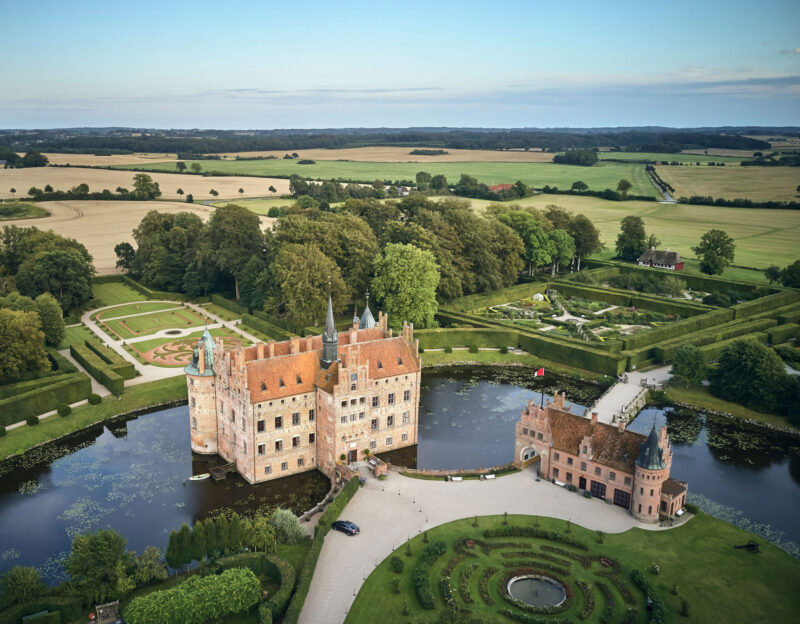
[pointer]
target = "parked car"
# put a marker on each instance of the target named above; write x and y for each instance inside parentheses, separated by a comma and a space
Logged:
(346, 527)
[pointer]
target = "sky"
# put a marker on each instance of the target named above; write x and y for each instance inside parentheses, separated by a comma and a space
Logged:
(310, 64)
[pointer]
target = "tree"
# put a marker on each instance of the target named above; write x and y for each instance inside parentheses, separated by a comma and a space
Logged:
(173, 556)
(424, 180)
(180, 192)
(180, 166)
(48, 188)
(288, 529)
(751, 374)
(261, 535)
(234, 235)
(773, 274)
(790, 276)
(631, 241)
(241, 192)
(184, 545)
(673, 286)
(189, 198)
(52, 319)
(144, 187)
(623, 186)
(213, 193)
(405, 282)
(34, 159)
(538, 248)
(557, 217)
(580, 186)
(97, 565)
(586, 237)
(564, 248)
(236, 539)
(21, 584)
(23, 343)
(689, 365)
(223, 533)
(64, 274)
(652, 242)
(438, 182)
(125, 255)
(13, 192)
(250, 281)
(195, 167)
(715, 251)
(199, 545)
(272, 189)
(150, 567)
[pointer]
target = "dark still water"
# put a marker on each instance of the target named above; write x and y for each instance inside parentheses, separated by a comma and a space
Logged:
(134, 479)
(749, 476)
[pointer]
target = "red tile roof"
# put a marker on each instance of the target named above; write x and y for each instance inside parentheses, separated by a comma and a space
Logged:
(500, 187)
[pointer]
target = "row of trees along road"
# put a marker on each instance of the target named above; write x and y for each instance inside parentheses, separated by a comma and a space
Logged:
(364, 244)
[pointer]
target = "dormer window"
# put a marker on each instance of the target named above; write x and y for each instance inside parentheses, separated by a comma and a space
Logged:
(280, 382)
(263, 386)
(380, 364)
(299, 379)
(399, 361)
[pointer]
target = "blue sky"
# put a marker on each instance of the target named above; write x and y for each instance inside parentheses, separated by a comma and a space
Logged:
(302, 64)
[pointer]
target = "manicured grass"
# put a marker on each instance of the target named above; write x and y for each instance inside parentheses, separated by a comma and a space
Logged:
(721, 584)
(702, 398)
(186, 344)
(21, 210)
(133, 308)
(663, 157)
(76, 335)
(151, 323)
(598, 177)
(763, 237)
(295, 554)
(111, 293)
(259, 206)
(733, 182)
(223, 313)
(19, 440)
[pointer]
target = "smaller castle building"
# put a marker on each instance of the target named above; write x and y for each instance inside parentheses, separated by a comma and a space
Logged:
(608, 461)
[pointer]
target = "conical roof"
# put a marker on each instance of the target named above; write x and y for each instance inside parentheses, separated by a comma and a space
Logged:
(367, 320)
(330, 333)
(206, 344)
(650, 453)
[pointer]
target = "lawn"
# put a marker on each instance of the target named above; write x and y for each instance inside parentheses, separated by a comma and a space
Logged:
(763, 237)
(720, 583)
(21, 210)
(756, 183)
(151, 323)
(598, 177)
(112, 293)
(691, 159)
(133, 308)
(174, 352)
(224, 313)
(77, 334)
(19, 440)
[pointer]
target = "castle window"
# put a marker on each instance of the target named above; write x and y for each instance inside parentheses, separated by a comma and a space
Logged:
(262, 449)
(391, 398)
(569, 461)
(311, 438)
(640, 508)
(583, 466)
(267, 469)
(597, 471)
(362, 400)
(344, 439)
(584, 450)
(569, 477)
(406, 418)
(612, 476)
(374, 424)
(353, 388)
(300, 462)
(278, 446)
(192, 401)
(299, 378)
(641, 491)
(244, 424)
(353, 401)
(389, 441)
(404, 437)
(261, 425)
(295, 441)
(285, 466)
(194, 423)
(312, 414)
(344, 420)
(539, 436)
(406, 395)
(651, 492)
(263, 386)
(555, 473)
(627, 480)
(244, 447)
(296, 418)
(649, 510)
(390, 421)
(352, 417)
(556, 456)
(344, 403)
(380, 364)
(353, 376)
(280, 382)
(279, 422)
(361, 415)
(372, 444)
(375, 401)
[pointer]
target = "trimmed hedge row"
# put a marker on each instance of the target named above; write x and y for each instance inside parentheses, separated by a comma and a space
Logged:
(14, 389)
(258, 314)
(54, 617)
(97, 368)
(665, 351)
(678, 328)
(495, 297)
(440, 338)
(274, 567)
(782, 333)
(152, 294)
(713, 350)
(73, 387)
(573, 353)
(68, 608)
(770, 302)
(248, 320)
(328, 517)
(627, 298)
(120, 366)
(789, 317)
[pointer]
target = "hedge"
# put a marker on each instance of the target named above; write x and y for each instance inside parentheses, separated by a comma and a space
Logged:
(97, 368)
(713, 350)
(153, 294)
(789, 317)
(328, 517)
(258, 314)
(665, 351)
(68, 608)
(762, 304)
(118, 364)
(74, 387)
(495, 297)
(440, 338)
(270, 330)
(54, 617)
(14, 389)
(197, 600)
(678, 328)
(272, 566)
(782, 333)
(573, 353)
(627, 298)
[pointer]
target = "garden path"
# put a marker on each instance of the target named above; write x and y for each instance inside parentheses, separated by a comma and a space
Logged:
(613, 402)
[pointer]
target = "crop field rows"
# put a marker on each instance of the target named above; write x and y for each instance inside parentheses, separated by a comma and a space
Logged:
(734, 182)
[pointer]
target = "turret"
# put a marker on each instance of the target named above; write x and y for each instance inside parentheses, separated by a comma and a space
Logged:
(650, 471)
(367, 320)
(202, 396)
(330, 339)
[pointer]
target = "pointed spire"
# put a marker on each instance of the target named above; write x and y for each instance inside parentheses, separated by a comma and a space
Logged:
(330, 338)
(355, 313)
(330, 327)
(367, 320)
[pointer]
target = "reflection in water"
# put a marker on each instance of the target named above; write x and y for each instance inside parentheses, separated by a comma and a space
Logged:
(134, 479)
(745, 474)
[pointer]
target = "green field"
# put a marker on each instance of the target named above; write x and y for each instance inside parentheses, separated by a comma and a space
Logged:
(152, 323)
(663, 157)
(598, 177)
(720, 583)
(133, 308)
(259, 206)
(112, 293)
(763, 237)
(754, 183)
(21, 210)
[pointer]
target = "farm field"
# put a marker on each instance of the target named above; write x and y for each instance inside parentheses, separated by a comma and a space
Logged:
(90, 160)
(665, 157)
(21, 210)
(100, 225)
(719, 151)
(112, 293)
(63, 179)
(763, 237)
(598, 177)
(136, 326)
(172, 352)
(756, 183)
(133, 308)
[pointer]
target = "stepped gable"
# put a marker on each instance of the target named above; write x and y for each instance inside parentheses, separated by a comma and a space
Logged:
(610, 446)
(298, 372)
(673, 487)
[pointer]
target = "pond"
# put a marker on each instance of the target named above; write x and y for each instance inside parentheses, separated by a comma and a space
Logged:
(537, 591)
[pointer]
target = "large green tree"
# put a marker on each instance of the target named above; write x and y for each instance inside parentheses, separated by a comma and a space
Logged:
(631, 240)
(20, 584)
(52, 319)
(150, 567)
(689, 365)
(64, 274)
(790, 276)
(144, 187)
(564, 248)
(586, 237)
(405, 283)
(288, 529)
(199, 546)
(715, 251)
(234, 235)
(249, 280)
(98, 564)
(23, 343)
(538, 247)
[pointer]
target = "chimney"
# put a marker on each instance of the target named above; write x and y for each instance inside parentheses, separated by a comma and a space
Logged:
(261, 351)
(621, 425)
(309, 343)
(594, 417)
(271, 346)
(294, 345)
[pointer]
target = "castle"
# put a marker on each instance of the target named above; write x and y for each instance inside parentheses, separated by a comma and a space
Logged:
(619, 466)
(279, 408)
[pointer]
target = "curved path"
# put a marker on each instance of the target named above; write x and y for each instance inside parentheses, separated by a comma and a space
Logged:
(392, 511)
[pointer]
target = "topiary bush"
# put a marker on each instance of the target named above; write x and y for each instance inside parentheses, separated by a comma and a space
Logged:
(396, 564)
(473, 348)
(264, 614)
(63, 410)
(32, 420)
(448, 349)
(503, 350)
(288, 529)
(94, 399)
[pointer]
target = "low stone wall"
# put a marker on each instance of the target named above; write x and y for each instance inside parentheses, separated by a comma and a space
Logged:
(630, 410)
(453, 473)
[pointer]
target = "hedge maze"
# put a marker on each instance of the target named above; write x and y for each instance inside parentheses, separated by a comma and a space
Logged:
(767, 315)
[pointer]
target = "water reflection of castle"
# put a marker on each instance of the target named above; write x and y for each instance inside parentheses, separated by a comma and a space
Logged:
(613, 464)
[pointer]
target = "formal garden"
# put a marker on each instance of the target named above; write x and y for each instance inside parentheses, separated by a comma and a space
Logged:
(173, 352)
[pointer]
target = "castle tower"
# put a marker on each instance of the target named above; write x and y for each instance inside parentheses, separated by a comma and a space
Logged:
(367, 320)
(651, 470)
(330, 339)
(202, 396)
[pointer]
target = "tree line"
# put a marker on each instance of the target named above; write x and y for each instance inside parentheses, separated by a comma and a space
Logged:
(32, 158)
(144, 189)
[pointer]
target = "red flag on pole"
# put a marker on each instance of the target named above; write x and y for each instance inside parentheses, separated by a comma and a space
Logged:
(539, 373)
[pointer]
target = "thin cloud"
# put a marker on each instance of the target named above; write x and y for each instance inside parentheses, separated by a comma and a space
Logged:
(792, 51)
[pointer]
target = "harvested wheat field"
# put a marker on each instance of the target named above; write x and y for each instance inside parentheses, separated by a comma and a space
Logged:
(100, 225)
(401, 154)
(718, 151)
(90, 160)
(64, 178)
(734, 182)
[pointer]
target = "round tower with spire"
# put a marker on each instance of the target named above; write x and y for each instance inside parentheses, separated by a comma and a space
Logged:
(651, 470)
(202, 396)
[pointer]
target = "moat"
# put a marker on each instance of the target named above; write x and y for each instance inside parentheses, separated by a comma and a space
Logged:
(134, 477)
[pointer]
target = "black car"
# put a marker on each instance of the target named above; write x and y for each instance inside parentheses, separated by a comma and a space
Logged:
(346, 527)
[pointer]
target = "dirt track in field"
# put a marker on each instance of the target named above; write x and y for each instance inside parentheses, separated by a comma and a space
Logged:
(63, 179)
(100, 225)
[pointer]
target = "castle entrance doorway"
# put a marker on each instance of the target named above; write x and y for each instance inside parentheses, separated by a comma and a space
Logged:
(352, 456)
(582, 483)
(598, 490)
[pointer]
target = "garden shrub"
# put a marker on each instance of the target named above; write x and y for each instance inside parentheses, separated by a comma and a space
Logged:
(396, 564)
(692, 508)
(448, 349)
(420, 575)
(98, 368)
(504, 349)
(67, 389)
(288, 529)
(473, 348)
(68, 608)
(32, 420)
(264, 614)
(2, 430)
(94, 399)
(63, 410)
